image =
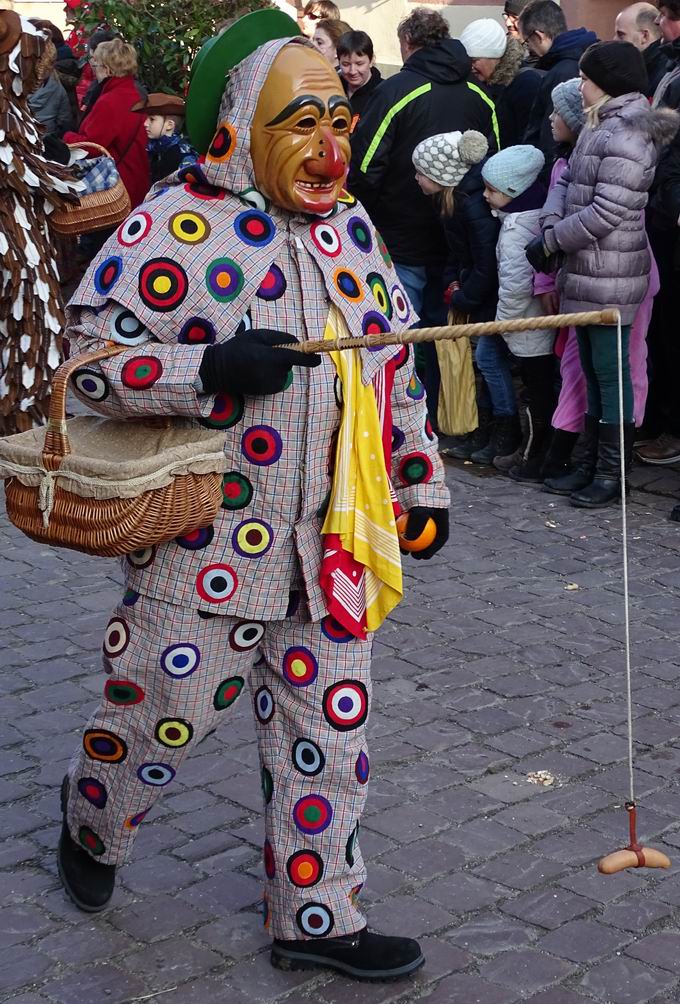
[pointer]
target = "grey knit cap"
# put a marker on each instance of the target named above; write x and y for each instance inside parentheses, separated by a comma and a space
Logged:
(447, 157)
(568, 104)
(514, 169)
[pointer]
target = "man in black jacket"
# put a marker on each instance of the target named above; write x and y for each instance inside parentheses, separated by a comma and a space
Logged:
(638, 24)
(433, 93)
(544, 29)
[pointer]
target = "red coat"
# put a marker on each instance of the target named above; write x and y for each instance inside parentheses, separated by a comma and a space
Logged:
(111, 124)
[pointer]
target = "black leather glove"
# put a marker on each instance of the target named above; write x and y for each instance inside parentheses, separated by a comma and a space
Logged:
(417, 518)
(538, 256)
(250, 363)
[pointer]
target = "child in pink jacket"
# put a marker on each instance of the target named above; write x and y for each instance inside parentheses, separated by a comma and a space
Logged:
(566, 121)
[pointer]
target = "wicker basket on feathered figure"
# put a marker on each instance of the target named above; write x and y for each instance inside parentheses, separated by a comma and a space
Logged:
(110, 487)
(95, 210)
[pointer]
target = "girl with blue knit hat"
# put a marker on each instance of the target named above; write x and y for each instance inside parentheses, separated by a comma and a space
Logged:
(513, 191)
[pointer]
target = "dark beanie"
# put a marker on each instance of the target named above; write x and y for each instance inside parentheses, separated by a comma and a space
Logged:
(515, 7)
(616, 67)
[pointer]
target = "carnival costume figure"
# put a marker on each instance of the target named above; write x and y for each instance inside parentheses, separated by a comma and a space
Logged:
(206, 282)
(31, 309)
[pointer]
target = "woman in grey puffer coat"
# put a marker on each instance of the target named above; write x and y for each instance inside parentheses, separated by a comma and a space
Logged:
(594, 217)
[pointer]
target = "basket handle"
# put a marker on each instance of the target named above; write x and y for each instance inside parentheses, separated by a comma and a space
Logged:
(56, 445)
(97, 147)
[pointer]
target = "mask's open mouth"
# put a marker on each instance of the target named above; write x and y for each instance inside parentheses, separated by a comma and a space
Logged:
(316, 187)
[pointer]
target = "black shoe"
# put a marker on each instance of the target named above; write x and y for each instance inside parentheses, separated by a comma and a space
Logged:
(88, 883)
(474, 441)
(506, 436)
(605, 487)
(530, 466)
(675, 514)
(585, 458)
(557, 461)
(363, 956)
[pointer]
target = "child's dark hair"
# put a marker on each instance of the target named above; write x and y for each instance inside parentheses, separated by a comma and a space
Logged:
(355, 43)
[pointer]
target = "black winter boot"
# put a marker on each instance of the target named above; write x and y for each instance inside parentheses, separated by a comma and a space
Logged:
(363, 956)
(585, 457)
(531, 462)
(506, 435)
(605, 487)
(557, 461)
(474, 440)
(88, 883)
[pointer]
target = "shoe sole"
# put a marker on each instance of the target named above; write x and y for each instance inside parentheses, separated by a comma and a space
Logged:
(595, 505)
(657, 463)
(290, 961)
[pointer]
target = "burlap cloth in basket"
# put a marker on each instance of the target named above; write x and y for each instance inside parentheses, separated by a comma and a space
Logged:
(100, 465)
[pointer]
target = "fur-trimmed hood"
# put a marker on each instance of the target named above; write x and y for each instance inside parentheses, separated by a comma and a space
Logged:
(659, 124)
(509, 64)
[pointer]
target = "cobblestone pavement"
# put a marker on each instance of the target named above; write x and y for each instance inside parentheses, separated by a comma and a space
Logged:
(504, 659)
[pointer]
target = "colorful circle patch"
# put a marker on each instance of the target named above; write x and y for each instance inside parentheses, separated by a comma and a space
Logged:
(255, 228)
(163, 284)
(267, 785)
(216, 583)
(308, 758)
(91, 384)
(374, 324)
(398, 438)
(105, 746)
(132, 822)
(300, 667)
(130, 597)
(141, 372)
(334, 631)
(273, 286)
(360, 234)
(174, 732)
(315, 920)
(362, 768)
(223, 144)
(327, 239)
(402, 356)
(246, 635)
(227, 411)
(346, 199)
(142, 557)
(123, 692)
(261, 445)
(179, 661)
(252, 538)
(189, 228)
(197, 331)
(253, 198)
(415, 389)
(382, 248)
(228, 691)
(380, 294)
(126, 329)
(192, 174)
(93, 791)
(348, 284)
(400, 303)
(224, 279)
(116, 637)
(269, 862)
(264, 705)
(428, 431)
(204, 191)
(312, 814)
(415, 469)
(237, 491)
(345, 705)
(197, 539)
(155, 774)
(107, 274)
(135, 229)
(91, 841)
(305, 868)
(352, 846)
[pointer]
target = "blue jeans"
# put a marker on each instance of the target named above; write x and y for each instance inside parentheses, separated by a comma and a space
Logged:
(493, 361)
(424, 285)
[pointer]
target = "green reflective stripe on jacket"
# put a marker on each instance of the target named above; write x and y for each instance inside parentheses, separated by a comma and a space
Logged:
(492, 106)
(385, 124)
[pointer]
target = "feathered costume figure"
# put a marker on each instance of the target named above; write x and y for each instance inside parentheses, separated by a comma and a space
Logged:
(31, 309)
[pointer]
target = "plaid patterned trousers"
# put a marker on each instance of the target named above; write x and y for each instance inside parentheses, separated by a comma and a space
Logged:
(172, 673)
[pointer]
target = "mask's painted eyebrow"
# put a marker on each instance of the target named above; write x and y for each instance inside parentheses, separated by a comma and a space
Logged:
(336, 101)
(295, 105)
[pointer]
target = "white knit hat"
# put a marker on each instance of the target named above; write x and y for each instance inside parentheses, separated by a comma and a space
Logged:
(484, 39)
(448, 157)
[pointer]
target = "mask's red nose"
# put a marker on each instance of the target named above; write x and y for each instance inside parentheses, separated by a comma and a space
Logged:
(329, 163)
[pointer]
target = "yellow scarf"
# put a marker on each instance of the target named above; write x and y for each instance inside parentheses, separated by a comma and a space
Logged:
(360, 510)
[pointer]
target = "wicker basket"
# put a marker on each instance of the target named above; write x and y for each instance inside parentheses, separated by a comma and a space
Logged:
(123, 487)
(96, 210)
